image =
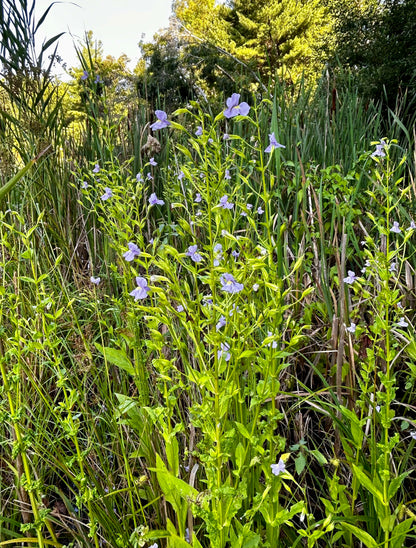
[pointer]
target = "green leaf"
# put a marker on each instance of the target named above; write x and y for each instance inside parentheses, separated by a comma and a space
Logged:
(300, 463)
(367, 483)
(116, 357)
(363, 536)
(398, 535)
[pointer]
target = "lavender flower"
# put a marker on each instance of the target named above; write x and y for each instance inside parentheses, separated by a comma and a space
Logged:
(352, 328)
(227, 175)
(395, 228)
(249, 206)
(108, 193)
(84, 184)
(234, 108)
(154, 200)
(402, 323)
(225, 137)
(162, 120)
(217, 254)
(192, 252)
(273, 344)
(273, 143)
(393, 267)
(198, 131)
(379, 152)
(181, 175)
(141, 290)
(221, 322)
(351, 278)
(229, 284)
(224, 352)
(235, 254)
(97, 79)
(96, 168)
(224, 203)
(413, 434)
(84, 75)
(260, 210)
(152, 162)
(412, 225)
(149, 176)
(132, 253)
(139, 178)
(198, 198)
(180, 308)
(95, 281)
(256, 287)
(278, 468)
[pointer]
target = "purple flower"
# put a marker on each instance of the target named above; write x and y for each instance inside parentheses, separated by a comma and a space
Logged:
(96, 168)
(154, 200)
(95, 281)
(108, 193)
(139, 178)
(350, 279)
(224, 203)
(192, 252)
(149, 176)
(273, 143)
(197, 198)
(84, 75)
(221, 322)
(199, 131)
(210, 140)
(180, 308)
(141, 290)
(402, 323)
(97, 79)
(393, 267)
(152, 162)
(227, 175)
(412, 225)
(235, 254)
(278, 468)
(225, 136)
(379, 152)
(413, 434)
(260, 211)
(217, 254)
(162, 120)
(84, 184)
(229, 284)
(224, 352)
(249, 206)
(395, 228)
(256, 287)
(132, 253)
(234, 108)
(352, 328)
(273, 344)
(181, 175)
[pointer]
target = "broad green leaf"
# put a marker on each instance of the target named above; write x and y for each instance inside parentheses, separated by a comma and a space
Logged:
(367, 483)
(117, 358)
(398, 535)
(363, 536)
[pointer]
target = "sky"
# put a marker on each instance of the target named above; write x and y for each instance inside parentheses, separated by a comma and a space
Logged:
(119, 24)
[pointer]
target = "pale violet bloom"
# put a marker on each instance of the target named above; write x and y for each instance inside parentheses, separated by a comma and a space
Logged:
(154, 200)
(366, 265)
(273, 143)
(132, 253)
(84, 184)
(260, 211)
(249, 207)
(199, 131)
(402, 323)
(192, 252)
(234, 107)
(221, 322)
(141, 290)
(351, 278)
(98, 79)
(224, 203)
(379, 152)
(273, 344)
(224, 352)
(84, 75)
(226, 137)
(96, 168)
(181, 175)
(217, 254)
(149, 176)
(139, 178)
(94, 280)
(227, 175)
(378, 408)
(152, 162)
(108, 193)
(210, 140)
(256, 287)
(278, 468)
(162, 120)
(198, 198)
(235, 254)
(180, 308)
(393, 267)
(412, 225)
(395, 228)
(413, 434)
(155, 545)
(229, 284)
(352, 328)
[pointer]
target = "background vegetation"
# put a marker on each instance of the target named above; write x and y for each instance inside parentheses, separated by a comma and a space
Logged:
(207, 315)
